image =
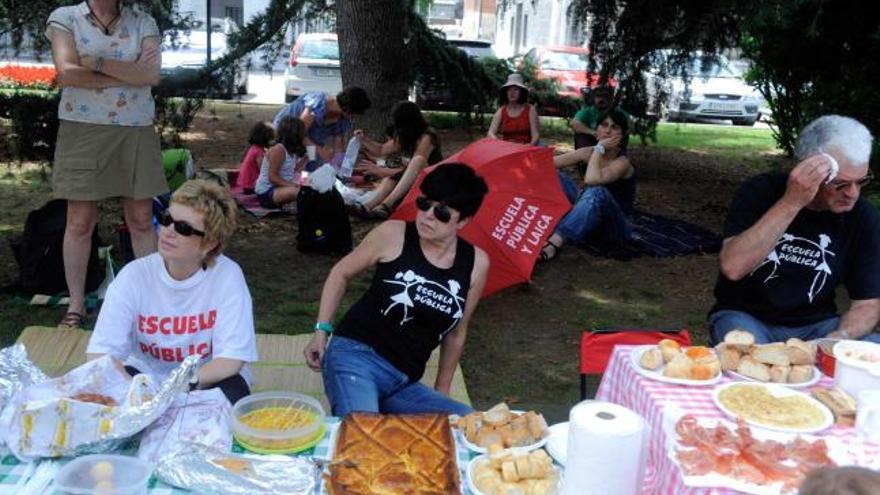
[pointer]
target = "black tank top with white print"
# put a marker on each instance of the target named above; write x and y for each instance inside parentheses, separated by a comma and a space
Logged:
(411, 305)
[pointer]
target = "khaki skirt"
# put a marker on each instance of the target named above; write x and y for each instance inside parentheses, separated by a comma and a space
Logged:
(94, 162)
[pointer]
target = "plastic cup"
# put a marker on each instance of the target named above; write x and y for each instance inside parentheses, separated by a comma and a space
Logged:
(312, 151)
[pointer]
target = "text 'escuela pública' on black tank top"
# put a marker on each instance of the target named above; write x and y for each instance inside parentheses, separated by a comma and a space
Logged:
(410, 305)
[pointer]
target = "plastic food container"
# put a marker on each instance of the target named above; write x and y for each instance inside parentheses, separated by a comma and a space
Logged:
(278, 422)
(858, 366)
(103, 474)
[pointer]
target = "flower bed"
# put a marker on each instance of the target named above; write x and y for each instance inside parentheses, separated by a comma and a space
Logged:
(26, 76)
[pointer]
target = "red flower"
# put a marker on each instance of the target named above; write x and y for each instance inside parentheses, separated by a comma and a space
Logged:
(42, 77)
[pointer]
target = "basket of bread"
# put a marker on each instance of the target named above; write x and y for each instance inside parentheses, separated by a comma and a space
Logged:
(669, 362)
(504, 471)
(499, 425)
(790, 363)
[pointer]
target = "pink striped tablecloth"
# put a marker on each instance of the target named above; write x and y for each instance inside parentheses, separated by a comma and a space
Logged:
(649, 398)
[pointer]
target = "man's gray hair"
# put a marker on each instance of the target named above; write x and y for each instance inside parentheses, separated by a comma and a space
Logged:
(845, 134)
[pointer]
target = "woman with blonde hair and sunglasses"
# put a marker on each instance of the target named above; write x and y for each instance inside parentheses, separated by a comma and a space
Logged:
(426, 285)
(186, 299)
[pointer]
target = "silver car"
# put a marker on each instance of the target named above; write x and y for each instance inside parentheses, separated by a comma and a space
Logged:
(184, 57)
(314, 66)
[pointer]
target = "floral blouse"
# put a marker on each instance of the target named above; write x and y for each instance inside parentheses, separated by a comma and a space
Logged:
(121, 105)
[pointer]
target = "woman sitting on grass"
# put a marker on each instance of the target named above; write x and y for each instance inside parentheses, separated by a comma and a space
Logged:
(186, 299)
(516, 120)
(279, 179)
(610, 188)
(420, 147)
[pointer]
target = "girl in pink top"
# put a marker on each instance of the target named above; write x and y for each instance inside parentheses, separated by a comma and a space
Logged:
(260, 139)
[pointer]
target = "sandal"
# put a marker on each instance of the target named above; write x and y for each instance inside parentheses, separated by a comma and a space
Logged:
(72, 319)
(546, 253)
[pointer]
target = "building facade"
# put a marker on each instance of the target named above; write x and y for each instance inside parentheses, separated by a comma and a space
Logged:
(523, 24)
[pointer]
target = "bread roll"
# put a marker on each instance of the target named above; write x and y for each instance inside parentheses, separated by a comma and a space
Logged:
(523, 467)
(711, 363)
(842, 405)
(508, 472)
(488, 482)
(542, 487)
(515, 437)
(729, 356)
(488, 436)
(472, 426)
(800, 352)
(510, 489)
(537, 425)
(669, 349)
(779, 374)
(750, 367)
(652, 359)
(740, 339)
(497, 416)
(679, 367)
(800, 373)
(773, 354)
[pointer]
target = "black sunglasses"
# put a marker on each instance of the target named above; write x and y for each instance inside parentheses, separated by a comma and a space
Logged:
(441, 211)
(839, 185)
(180, 226)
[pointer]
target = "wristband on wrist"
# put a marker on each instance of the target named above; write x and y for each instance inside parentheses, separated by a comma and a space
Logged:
(600, 148)
(324, 326)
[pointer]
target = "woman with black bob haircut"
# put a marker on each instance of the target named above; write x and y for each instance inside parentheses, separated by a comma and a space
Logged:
(608, 199)
(426, 286)
(420, 148)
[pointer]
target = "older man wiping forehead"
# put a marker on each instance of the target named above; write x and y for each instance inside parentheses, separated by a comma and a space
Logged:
(791, 238)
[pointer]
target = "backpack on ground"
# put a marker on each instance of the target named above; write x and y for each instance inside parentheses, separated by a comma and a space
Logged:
(38, 252)
(324, 227)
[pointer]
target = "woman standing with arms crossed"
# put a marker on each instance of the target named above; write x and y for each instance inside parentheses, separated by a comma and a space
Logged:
(107, 55)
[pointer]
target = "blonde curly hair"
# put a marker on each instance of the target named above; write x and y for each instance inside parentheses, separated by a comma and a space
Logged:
(219, 209)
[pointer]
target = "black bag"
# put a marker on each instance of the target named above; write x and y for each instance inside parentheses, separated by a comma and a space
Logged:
(38, 252)
(323, 222)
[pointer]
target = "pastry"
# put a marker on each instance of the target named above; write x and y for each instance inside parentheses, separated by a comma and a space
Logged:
(750, 367)
(652, 359)
(498, 415)
(775, 353)
(406, 453)
(669, 349)
(679, 367)
(800, 373)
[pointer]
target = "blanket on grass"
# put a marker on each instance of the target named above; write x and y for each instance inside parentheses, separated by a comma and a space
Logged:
(660, 237)
(252, 205)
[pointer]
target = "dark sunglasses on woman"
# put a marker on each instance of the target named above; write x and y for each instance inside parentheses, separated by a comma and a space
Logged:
(441, 211)
(181, 227)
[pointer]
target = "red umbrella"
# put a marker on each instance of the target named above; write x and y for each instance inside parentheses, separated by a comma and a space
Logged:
(524, 204)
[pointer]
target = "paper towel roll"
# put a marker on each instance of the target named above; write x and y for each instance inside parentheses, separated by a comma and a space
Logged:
(607, 450)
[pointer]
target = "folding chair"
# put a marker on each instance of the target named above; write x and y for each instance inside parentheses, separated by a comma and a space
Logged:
(597, 346)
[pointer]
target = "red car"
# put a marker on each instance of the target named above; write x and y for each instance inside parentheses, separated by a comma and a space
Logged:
(568, 66)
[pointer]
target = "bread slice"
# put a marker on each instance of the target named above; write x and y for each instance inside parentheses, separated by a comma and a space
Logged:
(498, 415)
(842, 405)
(800, 352)
(739, 338)
(800, 373)
(729, 356)
(779, 374)
(752, 368)
(773, 354)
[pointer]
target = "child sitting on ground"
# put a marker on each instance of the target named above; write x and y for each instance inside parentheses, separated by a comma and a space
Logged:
(260, 138)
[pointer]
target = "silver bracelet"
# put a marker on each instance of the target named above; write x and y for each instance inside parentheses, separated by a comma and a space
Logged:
(600, 148)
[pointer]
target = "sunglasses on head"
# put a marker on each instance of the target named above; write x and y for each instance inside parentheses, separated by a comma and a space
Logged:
(839, 185)
(181, 227)
(441, 211)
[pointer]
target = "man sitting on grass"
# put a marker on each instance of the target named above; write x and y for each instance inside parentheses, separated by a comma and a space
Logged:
(791, 239)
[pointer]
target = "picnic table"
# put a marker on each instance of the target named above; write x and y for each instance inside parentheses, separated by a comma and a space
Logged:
(14, 473)
(652, 400)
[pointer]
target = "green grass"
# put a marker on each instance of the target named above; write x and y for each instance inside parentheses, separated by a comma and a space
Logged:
(718, 139)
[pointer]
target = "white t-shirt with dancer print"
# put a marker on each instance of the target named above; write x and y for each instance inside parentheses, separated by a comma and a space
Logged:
(152, 322)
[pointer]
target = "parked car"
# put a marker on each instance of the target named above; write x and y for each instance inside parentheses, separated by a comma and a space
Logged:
(184, 57)
(433, 94)
(568, 66)
(314, 66)
(716, 91)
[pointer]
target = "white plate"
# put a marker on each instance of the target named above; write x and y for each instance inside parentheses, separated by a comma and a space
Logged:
(636, 356)
(777, 390)
(837, 451)
(557, 442)
(482, 450)
(817, 375)
(470, 478)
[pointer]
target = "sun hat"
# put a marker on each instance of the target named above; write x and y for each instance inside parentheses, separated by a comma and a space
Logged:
(515, 79)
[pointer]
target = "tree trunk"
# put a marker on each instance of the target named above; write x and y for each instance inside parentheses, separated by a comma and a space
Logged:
(373, 54)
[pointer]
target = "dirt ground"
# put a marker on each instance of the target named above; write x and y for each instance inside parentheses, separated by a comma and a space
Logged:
(523, 342)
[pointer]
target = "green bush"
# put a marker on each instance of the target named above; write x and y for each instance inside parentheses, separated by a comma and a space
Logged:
(33, 117)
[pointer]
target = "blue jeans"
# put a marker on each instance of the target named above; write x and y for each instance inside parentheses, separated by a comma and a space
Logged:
(595, 212)
(568, 186)
(356, 378)
(725, 320)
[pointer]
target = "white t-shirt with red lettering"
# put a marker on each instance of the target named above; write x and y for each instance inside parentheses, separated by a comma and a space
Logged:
(152, 322)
